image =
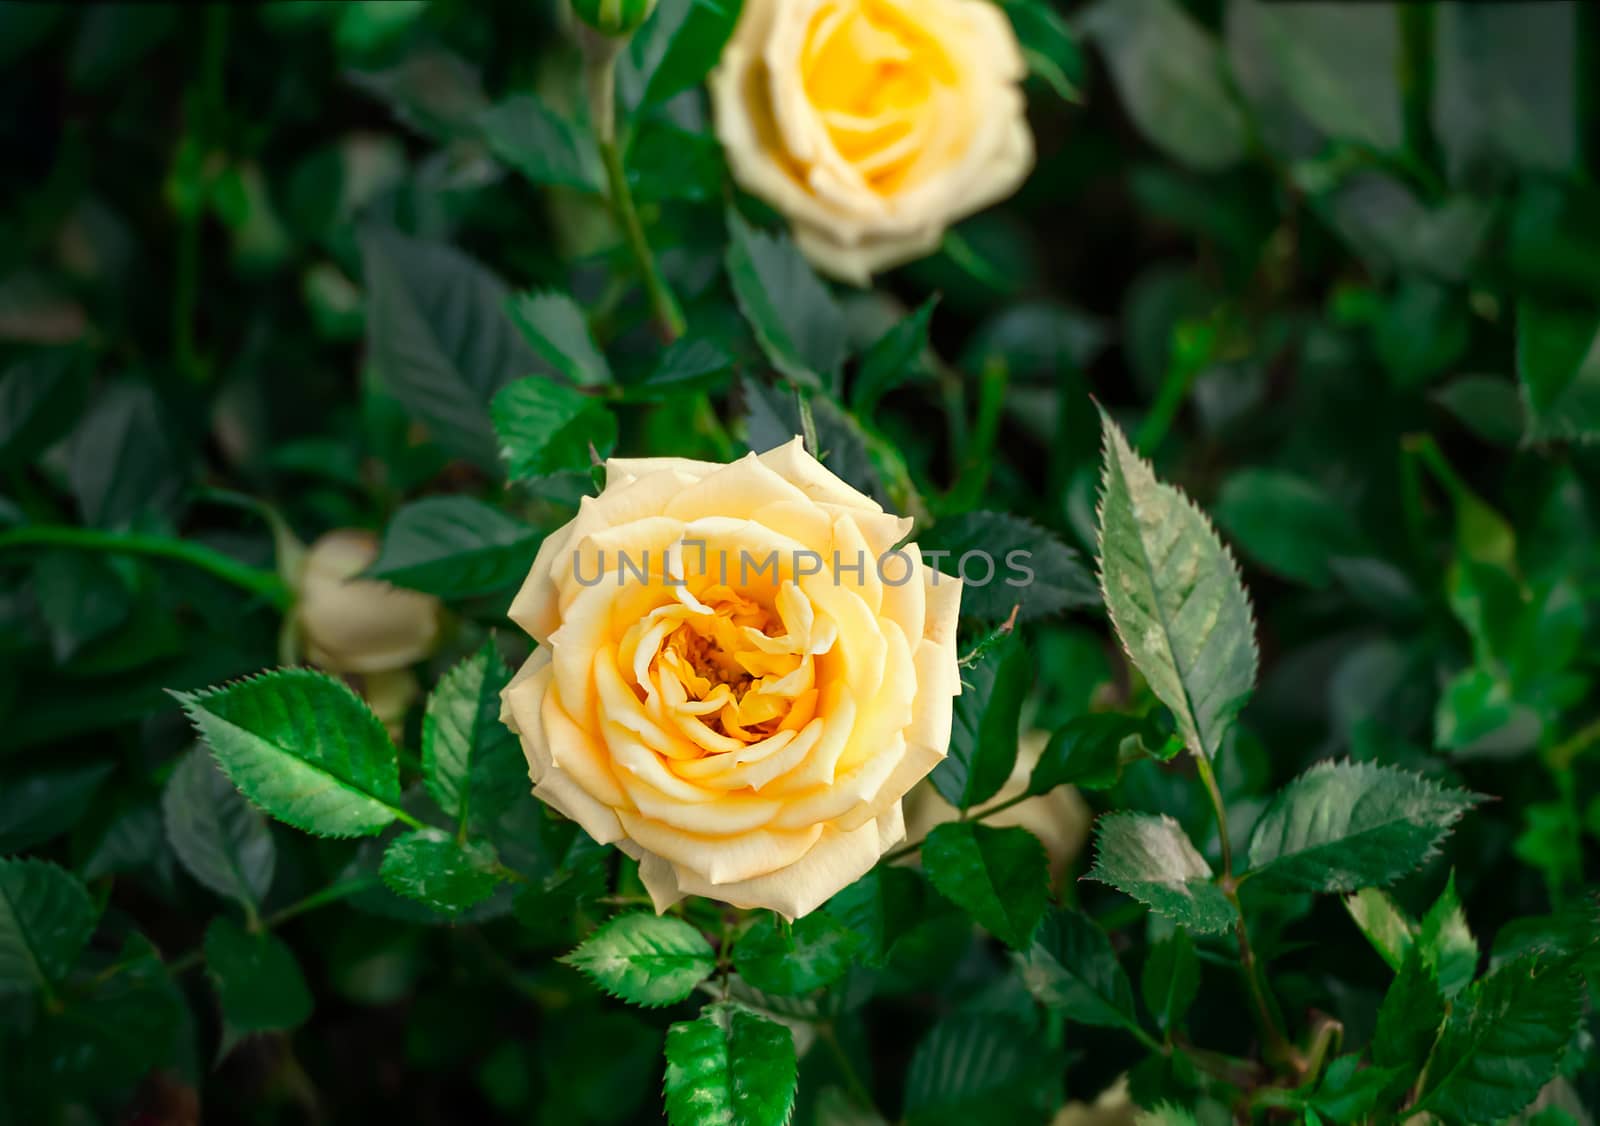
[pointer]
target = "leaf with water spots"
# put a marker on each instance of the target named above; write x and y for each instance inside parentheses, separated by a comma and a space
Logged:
(1175, 597)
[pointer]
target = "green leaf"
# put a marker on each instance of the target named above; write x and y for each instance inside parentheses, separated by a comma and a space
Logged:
(983, 739)
(1505, 86)
(461, 730)
(439, 340)
(796, 321)
(691, 364)
(1171, 979)
(1558, 365)
(455, 547)
(1287, 524)
(979, 1067)
(1489, 406)
(303, 747)
(645, 959)
(880, 907)
(792, 959)
(1001, 877)
(1169, 72)
(1150, 858)
(1341, 69)
(220, 838)
(81, 596)
(124, 465)
(1448, 949)
(434, 869)
(1071, 967)
(1087, 752)
(545, 148)
(1175, 598)
(258, 980)
(892, 359)
(1386, 926)
(1503, 1041)
(1409, 1018)
(666, 163)
(557, 328)
(1023, 563)
(36, 807)
(1348, 1090)
(1049, 46)
(1347, 825)
(41, 396)
(46, 919)
(730, 1066)
(680, 44)
(547, 427)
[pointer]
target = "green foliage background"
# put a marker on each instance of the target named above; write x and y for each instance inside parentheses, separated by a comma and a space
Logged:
(1333, 273)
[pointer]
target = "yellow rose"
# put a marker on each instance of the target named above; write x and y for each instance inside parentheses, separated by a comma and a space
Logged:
(1060, 818)
(354, 625)
(737, 678)
(873, 124)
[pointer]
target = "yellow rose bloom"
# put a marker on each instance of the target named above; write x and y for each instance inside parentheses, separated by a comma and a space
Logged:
(873, 124)
(738, 677)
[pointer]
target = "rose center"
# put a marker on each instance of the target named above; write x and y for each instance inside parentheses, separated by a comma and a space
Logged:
(871, 76)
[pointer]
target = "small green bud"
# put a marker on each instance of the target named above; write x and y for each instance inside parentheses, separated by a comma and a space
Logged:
(614, 17)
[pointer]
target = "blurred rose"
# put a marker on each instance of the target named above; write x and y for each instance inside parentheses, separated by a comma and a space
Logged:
(359, 625)
(873, 124)
(368, 631)
(1112, 1108)
(1059, 818)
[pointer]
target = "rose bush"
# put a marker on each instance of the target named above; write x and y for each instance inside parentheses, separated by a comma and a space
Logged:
(873, 124)
(745, 733)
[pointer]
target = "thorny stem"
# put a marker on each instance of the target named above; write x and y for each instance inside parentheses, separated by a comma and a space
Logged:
(265, 584)
(188, 961)
(600, 62)
(1278, 1047)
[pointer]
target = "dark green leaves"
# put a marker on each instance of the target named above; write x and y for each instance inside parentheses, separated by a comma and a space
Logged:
(1070, 966)
(796, 321)
(1287, 524)
(1347, 825)
(1503, 1042)
(439, 339)
(221, 839)
(983, 740)
(1175, 598)
(1558, 364)
(1169, 73)
(1087, 751)
(303, 747)
(258, 981)
(789, 959)
(546, 427)
(455, 547)
(40, 397)
(463, 740)
(1013, 562)
(979, 1067)
(1000, 876)
(1150, 858)
(1171, 978)
(1409, 1018)
(541, 145)
(46, 919)
(892, 359)
(730, 1066)
(558, 330)
(680, 44)
(435, 870)
(645, 959)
